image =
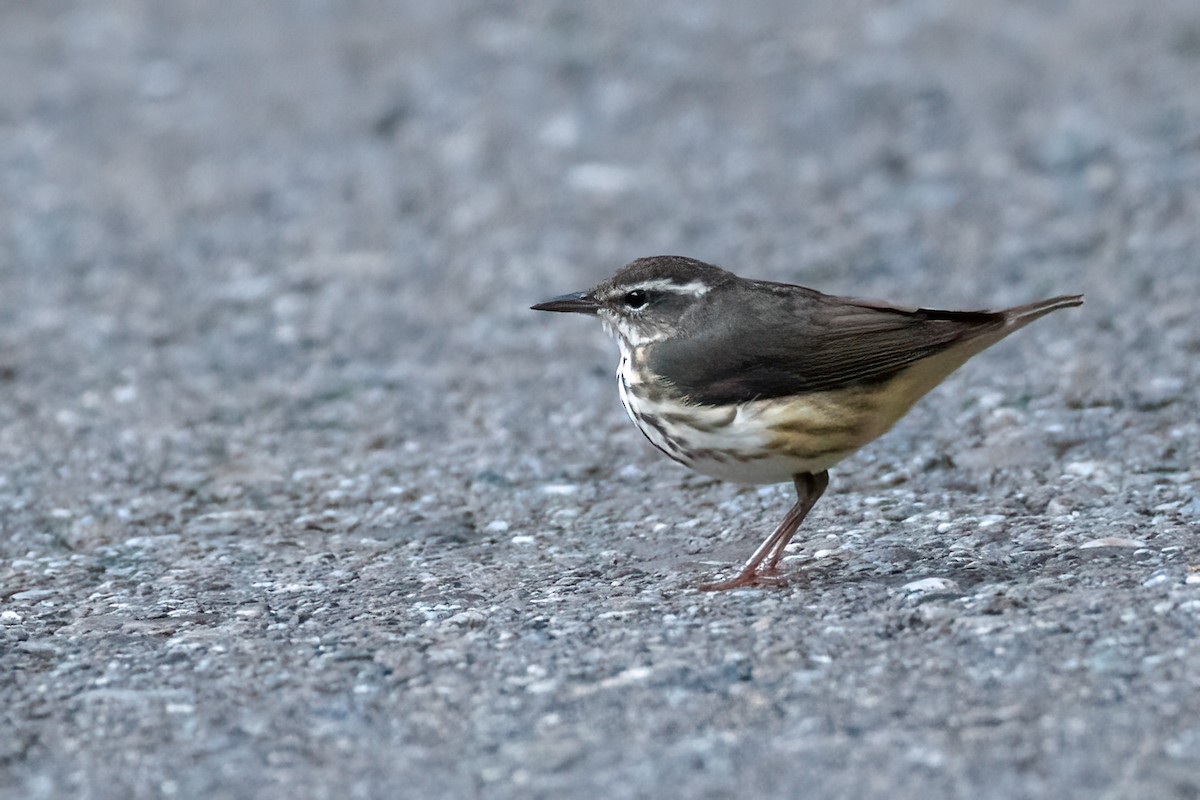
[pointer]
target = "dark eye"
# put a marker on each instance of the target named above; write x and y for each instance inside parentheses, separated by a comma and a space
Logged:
(637, 298)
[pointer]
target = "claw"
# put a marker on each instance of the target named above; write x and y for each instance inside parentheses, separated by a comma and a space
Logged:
(747, 578)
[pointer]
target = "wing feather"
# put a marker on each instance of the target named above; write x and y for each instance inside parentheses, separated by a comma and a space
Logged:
(789, 340)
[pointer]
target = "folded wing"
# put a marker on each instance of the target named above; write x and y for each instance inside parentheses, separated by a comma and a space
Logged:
(804, 341)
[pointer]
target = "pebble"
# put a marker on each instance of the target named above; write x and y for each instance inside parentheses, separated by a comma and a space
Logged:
(930, 586)
(33, 595)
(1113, 541)
(1084, 469)
(470, 618)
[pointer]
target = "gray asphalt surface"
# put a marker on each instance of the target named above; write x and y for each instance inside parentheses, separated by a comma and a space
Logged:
(298, 499)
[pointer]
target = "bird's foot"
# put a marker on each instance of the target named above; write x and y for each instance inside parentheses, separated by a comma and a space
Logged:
(747, 578)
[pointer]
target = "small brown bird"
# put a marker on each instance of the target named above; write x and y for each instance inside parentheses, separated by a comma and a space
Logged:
(762, 382)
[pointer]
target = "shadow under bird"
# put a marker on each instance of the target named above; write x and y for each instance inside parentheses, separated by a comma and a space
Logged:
(762, 382)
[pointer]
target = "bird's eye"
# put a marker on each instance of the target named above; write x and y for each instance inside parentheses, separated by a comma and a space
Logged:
(638, 298)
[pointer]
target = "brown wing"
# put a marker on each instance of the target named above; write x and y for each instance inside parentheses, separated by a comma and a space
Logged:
(788, 340)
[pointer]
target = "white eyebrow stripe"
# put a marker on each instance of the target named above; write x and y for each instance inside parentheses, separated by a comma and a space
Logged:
(694, 288)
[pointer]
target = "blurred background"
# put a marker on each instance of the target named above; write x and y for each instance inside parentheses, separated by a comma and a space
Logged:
(397, 182)
(199, 206)
(264, 277)
(496, 146)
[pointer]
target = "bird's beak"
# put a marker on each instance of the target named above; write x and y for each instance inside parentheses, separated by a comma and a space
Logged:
(579, 303)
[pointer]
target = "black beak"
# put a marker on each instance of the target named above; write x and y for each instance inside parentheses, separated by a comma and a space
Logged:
(579, 303)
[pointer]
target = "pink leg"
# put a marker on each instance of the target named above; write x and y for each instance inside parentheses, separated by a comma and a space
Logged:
(809, 488)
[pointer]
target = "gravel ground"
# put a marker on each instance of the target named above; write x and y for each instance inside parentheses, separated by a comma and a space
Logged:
(298, 499)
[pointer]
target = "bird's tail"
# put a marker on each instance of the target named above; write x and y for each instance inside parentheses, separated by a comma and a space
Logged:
(1020, 316)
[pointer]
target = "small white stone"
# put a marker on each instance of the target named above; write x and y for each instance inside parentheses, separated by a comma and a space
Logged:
(1084, 469)
(1004, 418)
(1113, 541)
(10, 617)
(522, 538)
(991, 400)
(929, 585)
(496, 526)
(627, 677)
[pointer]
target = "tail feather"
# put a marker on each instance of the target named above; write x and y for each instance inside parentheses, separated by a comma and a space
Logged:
(1020, 316)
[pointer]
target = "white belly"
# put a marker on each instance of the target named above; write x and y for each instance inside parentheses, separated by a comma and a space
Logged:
(762, 441)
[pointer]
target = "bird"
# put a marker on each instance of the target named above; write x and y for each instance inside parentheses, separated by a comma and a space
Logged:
(760, 382)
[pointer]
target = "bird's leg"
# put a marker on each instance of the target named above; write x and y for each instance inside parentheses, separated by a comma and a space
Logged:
(809, 488)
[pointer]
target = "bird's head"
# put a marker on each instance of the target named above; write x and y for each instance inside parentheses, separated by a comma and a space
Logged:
(648, 300)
